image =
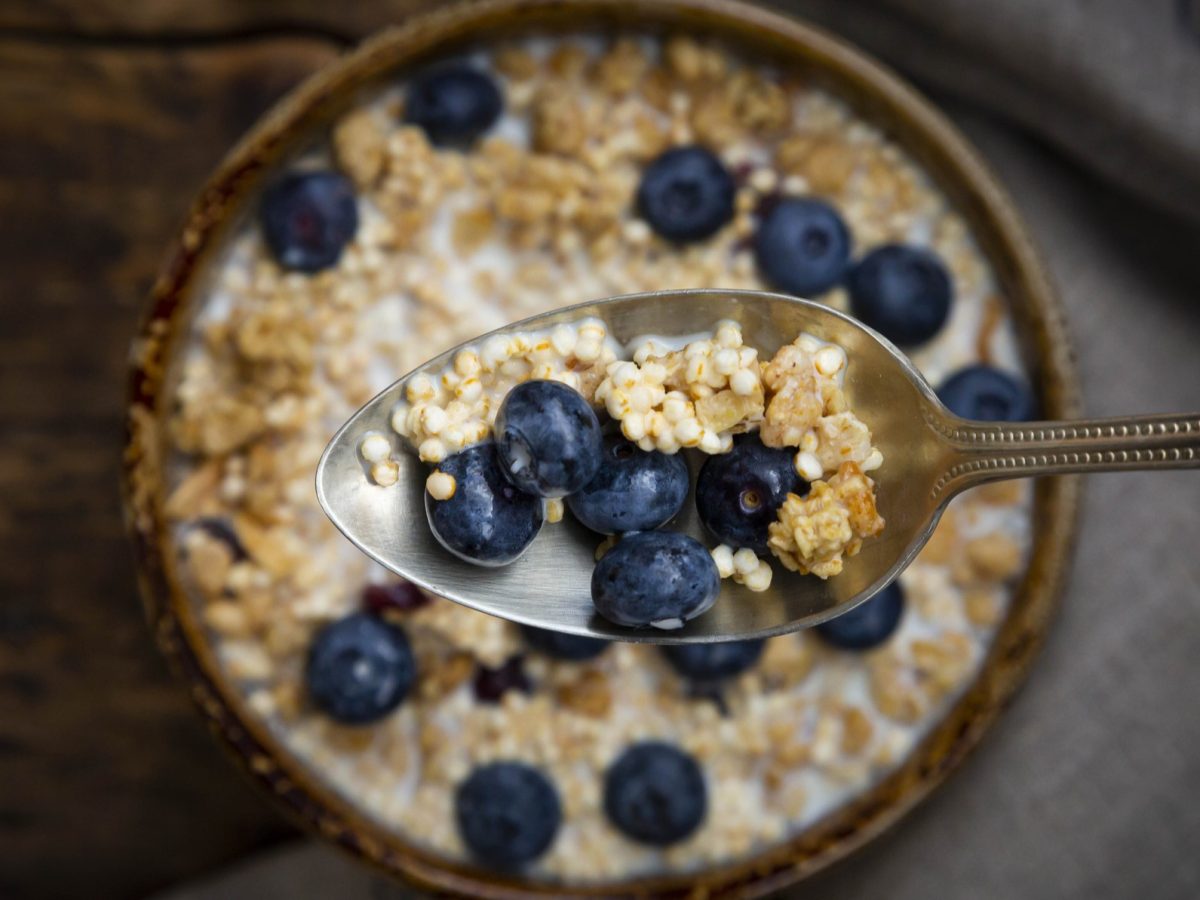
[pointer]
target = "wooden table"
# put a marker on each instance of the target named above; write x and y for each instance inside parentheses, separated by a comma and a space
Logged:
(112, 112)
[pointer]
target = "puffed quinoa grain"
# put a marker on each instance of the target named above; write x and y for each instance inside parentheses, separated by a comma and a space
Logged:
(385, 473)
(668, 399)
(375, 448)
(757, 579)
(440, 485)
(745, 561)
(722, 555)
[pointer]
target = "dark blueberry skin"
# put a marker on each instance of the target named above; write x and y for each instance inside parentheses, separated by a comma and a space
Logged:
(988, 395)
(308, 218)
(548, 438)
(710, 662)
(655, 577)
(487, 522)
(508, 814)
(655, 793)
(686, 195)
(902, 292)
(633, 490)
(868, 624)
(359, 669)
(454, 104)
(738, 493)
(802, 246)
(556, 644)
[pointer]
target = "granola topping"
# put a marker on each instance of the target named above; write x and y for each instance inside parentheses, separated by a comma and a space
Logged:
(815, 533)
(539, 214)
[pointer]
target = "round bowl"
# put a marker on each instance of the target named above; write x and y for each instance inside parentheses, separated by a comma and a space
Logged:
(876, 94)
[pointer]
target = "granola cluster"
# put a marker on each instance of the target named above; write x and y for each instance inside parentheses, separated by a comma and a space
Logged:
(452, 244)
(815, 532)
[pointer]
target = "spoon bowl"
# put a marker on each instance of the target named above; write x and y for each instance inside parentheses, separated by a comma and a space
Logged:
(929, 456)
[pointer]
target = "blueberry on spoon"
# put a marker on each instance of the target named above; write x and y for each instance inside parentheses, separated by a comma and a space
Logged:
(738, 494)
(633, 490)
(487, 521)
(657, 578)
(548, 439)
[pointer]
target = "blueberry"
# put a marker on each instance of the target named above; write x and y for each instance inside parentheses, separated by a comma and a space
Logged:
(487, 522)
(738, 493)
(709, 662)
(902, 292)
(633, 490)
(987, 394)
(802, 246)
(359, 669)
(454, 104)
(547, 438)
(508, 813)
(308, 218)
(556, 644)
(686, 194)
(658, 578)
(868, 624)
(655, 793)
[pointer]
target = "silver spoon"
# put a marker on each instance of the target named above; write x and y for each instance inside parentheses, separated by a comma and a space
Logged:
(930, 455)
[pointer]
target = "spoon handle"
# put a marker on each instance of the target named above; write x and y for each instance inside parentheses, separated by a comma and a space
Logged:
(986, 451)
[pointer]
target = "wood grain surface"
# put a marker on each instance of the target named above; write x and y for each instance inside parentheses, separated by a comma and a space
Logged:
(109, 786)
(158, 20)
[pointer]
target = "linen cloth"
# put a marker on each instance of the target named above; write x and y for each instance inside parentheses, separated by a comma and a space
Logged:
(1114, 84)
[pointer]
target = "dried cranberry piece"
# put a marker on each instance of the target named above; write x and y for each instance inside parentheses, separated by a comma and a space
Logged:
(741, 172)
(492, 684)
(397, 596)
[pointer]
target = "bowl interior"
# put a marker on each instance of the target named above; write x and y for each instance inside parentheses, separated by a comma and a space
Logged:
(292, 126)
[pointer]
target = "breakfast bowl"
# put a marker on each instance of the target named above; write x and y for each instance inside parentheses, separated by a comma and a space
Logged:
(253, 350)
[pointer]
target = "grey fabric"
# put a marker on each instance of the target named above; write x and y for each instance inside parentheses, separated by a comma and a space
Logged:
(1113, 83)
(1090, 785)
